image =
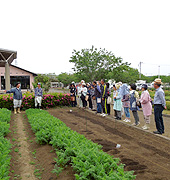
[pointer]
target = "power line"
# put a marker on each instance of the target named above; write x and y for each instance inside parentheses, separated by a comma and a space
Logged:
(157, 64)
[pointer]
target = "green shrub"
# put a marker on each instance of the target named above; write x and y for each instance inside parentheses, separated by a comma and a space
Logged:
(168, 105)
(28, 101)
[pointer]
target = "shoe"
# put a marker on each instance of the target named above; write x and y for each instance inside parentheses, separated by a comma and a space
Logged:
(145, 127)
(101, 114)
(15, 111)
(138, 124)
(125, 120)
(115, 117)
(128, 120)
(119, 119)
(157, 132)
(104, 115)
(134, 124)
(19, 111)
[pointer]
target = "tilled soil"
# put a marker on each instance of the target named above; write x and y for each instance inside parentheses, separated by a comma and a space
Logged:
(31, 160)
(145, 153)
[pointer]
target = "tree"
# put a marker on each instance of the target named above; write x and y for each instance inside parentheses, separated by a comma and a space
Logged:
(92, 64)
(126, 75)
(44, 80)
(66, 78)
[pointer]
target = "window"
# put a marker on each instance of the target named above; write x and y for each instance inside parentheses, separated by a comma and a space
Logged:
(24, 80)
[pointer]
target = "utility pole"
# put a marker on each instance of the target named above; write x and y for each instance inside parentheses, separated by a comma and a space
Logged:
(140, 69)
(159, 67)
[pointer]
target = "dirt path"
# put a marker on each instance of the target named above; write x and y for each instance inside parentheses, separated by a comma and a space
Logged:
(31, 160)
(21, 150)
(148, 155)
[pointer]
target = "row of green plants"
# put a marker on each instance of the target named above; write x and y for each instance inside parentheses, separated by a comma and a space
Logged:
(28, 101)
(87, 158)
(5, 145)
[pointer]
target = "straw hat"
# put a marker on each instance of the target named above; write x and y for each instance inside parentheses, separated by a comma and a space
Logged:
(158, 81)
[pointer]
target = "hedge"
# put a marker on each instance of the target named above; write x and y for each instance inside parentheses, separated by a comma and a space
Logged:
(28, 101)
(87, 158)
(5, 145)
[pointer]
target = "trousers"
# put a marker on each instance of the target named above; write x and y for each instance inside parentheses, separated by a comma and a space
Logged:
(158, 109)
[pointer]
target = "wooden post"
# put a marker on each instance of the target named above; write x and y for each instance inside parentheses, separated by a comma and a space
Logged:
(7, 76)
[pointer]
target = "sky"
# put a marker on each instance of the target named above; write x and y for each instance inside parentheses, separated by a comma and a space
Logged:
(44, 33)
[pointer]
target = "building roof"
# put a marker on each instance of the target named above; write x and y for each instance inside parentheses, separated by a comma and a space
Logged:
(7, 55)
(34, 74)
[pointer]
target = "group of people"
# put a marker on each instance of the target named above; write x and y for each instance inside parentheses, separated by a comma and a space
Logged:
(98, 96)
(17, 97)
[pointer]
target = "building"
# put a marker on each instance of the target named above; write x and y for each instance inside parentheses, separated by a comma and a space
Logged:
(17, 74)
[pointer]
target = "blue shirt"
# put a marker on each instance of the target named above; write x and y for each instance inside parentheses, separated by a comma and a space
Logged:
(160, 97)
(38, 92)
(17, 94)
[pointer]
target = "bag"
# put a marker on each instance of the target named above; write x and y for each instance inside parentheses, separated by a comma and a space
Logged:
(87, 98)
(139, 104)
(109, 100)
(99, 100)
(94, 98)
(72, 98)
(82, 97)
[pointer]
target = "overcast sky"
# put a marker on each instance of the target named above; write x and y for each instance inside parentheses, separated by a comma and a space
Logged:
(44, 33)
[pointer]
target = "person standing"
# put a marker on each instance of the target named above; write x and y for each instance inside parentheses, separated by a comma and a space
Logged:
(104, 97)
(17, 97)
(124, 92)
(73, 95)
(159, 106)
(98, 96)
(83, 95)
(109, 99)
(38, 95)
(118, 103)
(134, 99)
(93, 98)
(79, 95)
(89, 96)
(146, 103)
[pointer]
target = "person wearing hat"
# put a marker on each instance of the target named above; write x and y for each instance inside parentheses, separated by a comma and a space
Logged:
(146, 103)
(159, 106)
(83, 95)
(17, 97)
(117, 103)
(38, 95)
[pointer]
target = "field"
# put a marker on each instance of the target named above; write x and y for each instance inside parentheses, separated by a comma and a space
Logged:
(148, 155)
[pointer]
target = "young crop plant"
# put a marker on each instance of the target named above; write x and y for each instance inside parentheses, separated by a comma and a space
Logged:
(5, 145)
(87, 158)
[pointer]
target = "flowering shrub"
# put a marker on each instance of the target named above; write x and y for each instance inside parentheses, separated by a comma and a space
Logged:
(28, 101)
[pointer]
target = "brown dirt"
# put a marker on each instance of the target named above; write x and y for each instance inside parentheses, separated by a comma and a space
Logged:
(148, 155)
(33, 161)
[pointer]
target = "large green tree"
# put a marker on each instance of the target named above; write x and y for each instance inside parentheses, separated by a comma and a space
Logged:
(66, 78)
(93, 64)
(44, 80)
(126, 75)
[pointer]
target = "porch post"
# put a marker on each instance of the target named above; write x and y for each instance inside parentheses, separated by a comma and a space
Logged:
(7, 76)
